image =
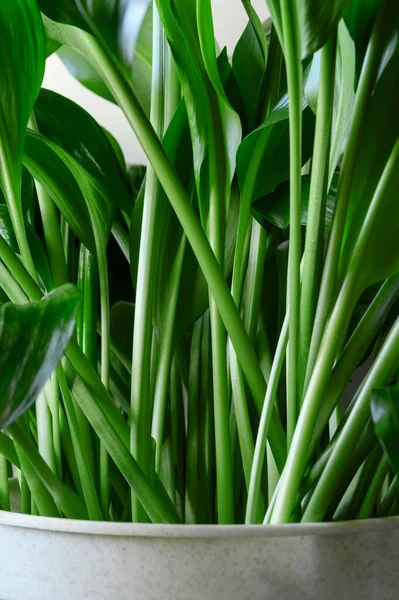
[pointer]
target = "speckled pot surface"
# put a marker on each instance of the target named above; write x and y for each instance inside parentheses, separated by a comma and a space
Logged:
(54, 559)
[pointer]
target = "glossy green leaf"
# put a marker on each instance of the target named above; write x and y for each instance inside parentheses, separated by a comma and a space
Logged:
(275, 207)
(63, 11)
(274, 135)
(376, 254)
(379, 134)
(38, 254)
(81, 69)
(385, 414)
(22, 60)
(33, 338)
(318, 22)
(49, 169)
(138, 62)
(75, 131)
(249, 64)
(360, 18)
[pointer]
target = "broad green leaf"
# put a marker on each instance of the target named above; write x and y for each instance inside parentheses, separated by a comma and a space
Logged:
(379, 134)
(385, 414)
(63, 11)
(80, 68)
(360, 18)
(273, 137)
(249, 64)
(376, 254)
(33, 338)
(75, 131)
(38, 254)
(49, 169)
(22, 61)
(318, 22)
(138, 65)
(275, 207)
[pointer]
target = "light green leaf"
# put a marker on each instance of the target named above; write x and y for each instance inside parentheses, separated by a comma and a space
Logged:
(33, 338)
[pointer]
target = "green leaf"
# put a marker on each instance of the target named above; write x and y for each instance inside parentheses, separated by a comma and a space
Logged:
(360, 18)
(38, 254)
(379, 134)
(273, 134)
(49, 169)
(138, 63)
(385, 414)
(22, 61)
(33, 338)
(318, 22)
(81, 69)
(63, 11)
(249, 65)
(75, 131)
(275, 207)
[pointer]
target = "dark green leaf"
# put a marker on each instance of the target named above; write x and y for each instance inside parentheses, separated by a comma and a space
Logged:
(275, 207)
(385, 414)
(360, 18)
(22, 60)
(75, 131)
(273, 135)
(48, 168)
(63, 11)
(249, 64)
(38, 254)
(33, 338)
(379, 134)
(318, 22)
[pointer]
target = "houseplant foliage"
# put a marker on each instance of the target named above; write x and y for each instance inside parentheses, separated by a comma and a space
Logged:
(225, 295)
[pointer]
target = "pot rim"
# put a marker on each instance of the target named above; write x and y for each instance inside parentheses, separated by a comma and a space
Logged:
(144, 530)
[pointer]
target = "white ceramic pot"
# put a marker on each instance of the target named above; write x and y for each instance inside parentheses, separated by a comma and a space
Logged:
(55, 559)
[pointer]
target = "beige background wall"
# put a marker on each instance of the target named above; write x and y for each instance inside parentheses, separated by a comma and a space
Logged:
(230, 20)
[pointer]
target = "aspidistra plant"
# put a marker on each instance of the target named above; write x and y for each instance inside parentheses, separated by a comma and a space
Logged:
(225, 294)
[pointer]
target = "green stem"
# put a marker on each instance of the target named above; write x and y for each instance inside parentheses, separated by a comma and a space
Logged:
(70, 504)
(385, 363)
(185, 213)
(192, 448)
(370, 499)
(366, 85)
(293, 63)
(354, 351)
(12, 193)
(261, 440)
(143, 316)
(389, 498)
(299, 451)
(45, 431)
(85, 475)
(317, 198)
(4, 489)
